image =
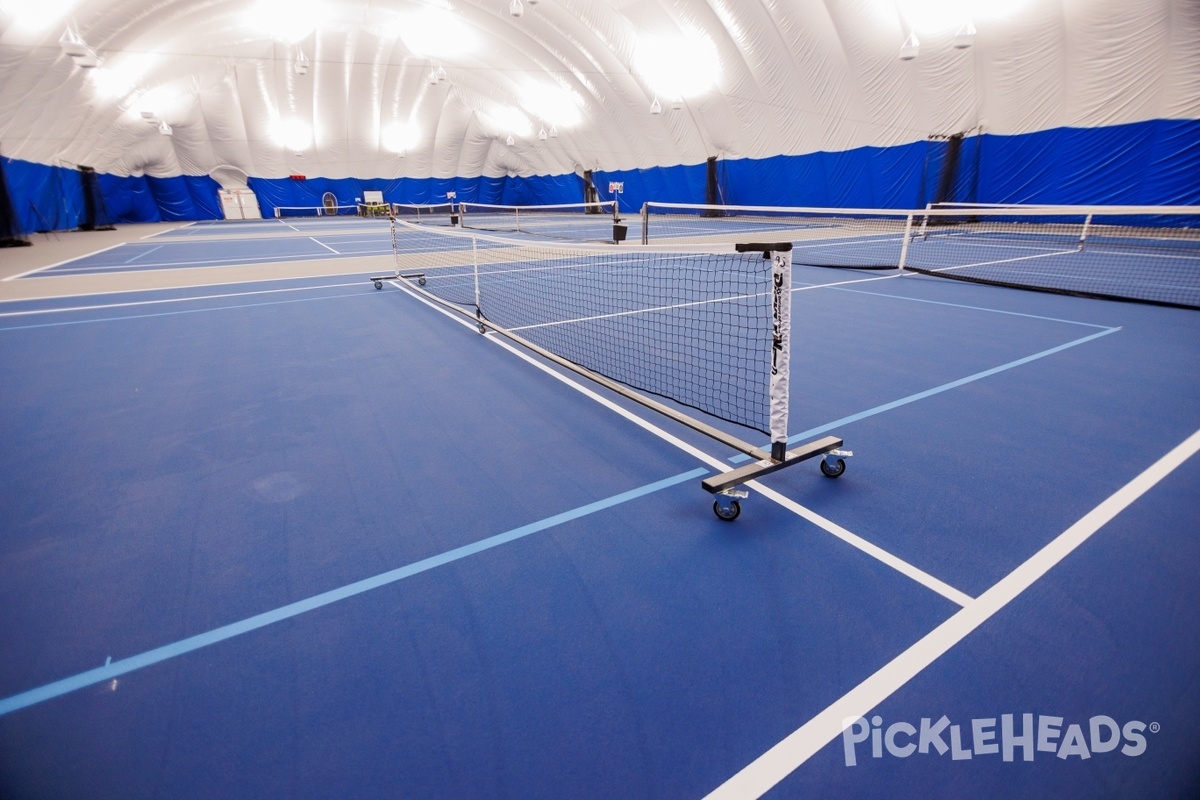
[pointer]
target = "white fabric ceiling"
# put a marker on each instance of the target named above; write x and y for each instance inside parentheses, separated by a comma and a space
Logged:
(789, 77)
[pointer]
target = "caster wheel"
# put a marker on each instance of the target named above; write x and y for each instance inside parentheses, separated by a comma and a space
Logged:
(735, 508)
(421, 281)
(833, 472)
(482, 328)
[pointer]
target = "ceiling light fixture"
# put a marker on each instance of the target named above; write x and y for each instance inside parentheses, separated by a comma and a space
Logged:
(164, 128)
(400, 137)
(681, 65)
(286, 20)
(436, 33)
(301, 65)
(73, 45)
(510, 141)
(656, 107)
(553, 132)
(293, 134)
(542, 133)
(910, 48)
(964, 37)
(515, 8)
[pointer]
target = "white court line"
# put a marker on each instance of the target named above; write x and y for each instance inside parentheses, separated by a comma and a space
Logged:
(999, 261)
(635, 311)
(762, 774)
(107, 269)
(327, 247)
(968, 307)
(201, 285)
(878, 553)
(64, 261)
(896, 563)
(32, 311)
(168, 230)
(1091, 247)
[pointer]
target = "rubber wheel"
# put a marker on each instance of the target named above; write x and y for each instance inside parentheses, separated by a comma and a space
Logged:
(421, 281)
(735, 508)
(378, 284)
(833, 472)
(482, 328)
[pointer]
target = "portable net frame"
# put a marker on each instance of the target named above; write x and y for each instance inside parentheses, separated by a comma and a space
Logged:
(1148, 254)
(580, 222)
(707, 328)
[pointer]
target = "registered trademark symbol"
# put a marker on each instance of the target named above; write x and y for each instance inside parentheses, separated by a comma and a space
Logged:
(1155, 727)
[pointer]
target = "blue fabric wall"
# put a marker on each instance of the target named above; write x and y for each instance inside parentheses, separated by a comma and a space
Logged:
(1147, 163)
(274, 192)
(51, 198)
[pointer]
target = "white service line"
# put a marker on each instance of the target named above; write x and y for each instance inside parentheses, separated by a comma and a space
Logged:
(766, 771)
(64, 261)
(995, 262)
(168, 230)
(327, 247)
(181, 287)
(32, 311)
(878, 553)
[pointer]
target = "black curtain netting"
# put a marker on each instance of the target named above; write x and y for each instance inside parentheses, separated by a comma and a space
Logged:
(10, 227)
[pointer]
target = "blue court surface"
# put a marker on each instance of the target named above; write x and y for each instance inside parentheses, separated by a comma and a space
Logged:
(304, 538)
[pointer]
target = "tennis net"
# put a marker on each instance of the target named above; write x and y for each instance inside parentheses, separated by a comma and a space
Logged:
(695, 327)
(322, 211)
(594, 222)
(426, 214)
(1148, 254)
(821, 236)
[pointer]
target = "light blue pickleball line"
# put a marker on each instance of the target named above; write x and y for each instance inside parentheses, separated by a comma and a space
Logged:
(112, 669)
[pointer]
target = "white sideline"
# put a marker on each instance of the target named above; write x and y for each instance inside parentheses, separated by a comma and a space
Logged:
(758, 777)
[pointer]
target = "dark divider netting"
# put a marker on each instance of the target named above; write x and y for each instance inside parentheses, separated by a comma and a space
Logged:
(95, 211)
(10, 228)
